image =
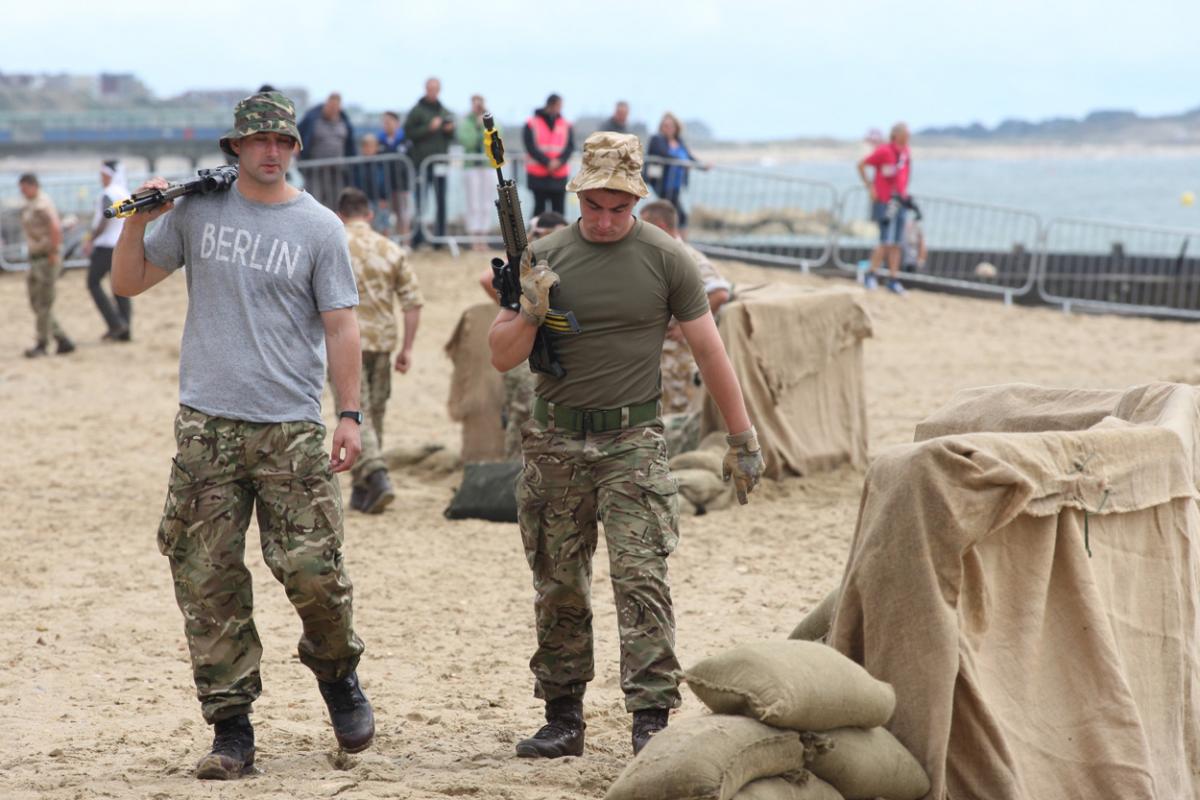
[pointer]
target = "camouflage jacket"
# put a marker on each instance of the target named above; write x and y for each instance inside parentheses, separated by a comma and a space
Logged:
(382, 273)
(37, 219)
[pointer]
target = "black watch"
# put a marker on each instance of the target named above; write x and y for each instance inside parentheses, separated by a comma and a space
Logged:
(357, 416)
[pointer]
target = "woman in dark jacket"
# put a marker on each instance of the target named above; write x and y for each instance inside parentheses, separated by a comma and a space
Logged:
(668, 180)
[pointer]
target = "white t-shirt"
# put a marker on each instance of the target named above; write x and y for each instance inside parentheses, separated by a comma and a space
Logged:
(113, 193)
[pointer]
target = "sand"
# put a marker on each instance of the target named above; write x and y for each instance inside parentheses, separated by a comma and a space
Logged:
(95, 684)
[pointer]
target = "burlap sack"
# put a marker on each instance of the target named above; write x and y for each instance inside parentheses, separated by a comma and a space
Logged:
(804, 686)
(708, 460)
(708, 758)
(869, 763)
(815, 626)
(704, 490)
(808, 787)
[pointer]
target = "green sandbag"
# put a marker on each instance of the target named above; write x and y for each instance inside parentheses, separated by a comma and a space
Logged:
(803, 686)
(869, 763)
(488, 491)
(708, 758)
(807, 787)
(815, 625)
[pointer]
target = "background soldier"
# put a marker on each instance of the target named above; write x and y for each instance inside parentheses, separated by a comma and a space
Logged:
(595, 443)
(383, 275)
(520, 380)
(680, 390)
(43, 239)
(270, 290)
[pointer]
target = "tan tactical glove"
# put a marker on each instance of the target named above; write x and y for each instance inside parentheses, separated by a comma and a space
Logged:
(536, 283)
(743, 462)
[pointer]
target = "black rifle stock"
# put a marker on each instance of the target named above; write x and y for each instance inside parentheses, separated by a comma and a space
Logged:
(506, 277)
(206, 180)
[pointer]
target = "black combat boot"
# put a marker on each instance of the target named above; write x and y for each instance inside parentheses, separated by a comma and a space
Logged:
(646, 723)
(232, 752)
(350, 712)
(379, 492)
(562, 735)
(357, 495)
(37, 351)
(65, 345)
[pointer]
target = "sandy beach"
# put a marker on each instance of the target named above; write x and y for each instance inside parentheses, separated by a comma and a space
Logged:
(95, 682)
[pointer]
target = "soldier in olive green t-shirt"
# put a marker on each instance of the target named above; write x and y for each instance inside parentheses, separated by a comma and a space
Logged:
(595, 446)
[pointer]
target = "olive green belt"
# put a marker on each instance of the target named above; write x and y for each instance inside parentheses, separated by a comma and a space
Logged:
(592, 420)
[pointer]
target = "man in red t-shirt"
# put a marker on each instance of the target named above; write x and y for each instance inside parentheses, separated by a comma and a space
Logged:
(889, 188)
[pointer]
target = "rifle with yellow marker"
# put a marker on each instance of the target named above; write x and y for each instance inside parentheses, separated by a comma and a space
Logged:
(205, 182)
(506, 279)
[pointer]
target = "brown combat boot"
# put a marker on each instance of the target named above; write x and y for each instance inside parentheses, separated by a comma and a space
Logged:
(562, 735)
(646, 723)
(232, 753)
(37, 351)
(65, 345)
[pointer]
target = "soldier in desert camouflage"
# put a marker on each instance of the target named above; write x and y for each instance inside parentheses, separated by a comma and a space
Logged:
(594, 446)
(681, 393)
(383, 275)
(270, 292)
(43, 240)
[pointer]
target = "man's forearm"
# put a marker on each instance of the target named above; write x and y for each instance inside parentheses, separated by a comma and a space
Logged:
(345, 362)
(412, 319)
(129, 260)
(722, 384)
(510, 339)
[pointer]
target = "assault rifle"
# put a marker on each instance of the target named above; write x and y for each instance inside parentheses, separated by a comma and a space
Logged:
(506, 277)
(206, 181)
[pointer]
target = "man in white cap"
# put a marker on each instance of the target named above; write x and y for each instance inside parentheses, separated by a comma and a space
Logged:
(595, 445)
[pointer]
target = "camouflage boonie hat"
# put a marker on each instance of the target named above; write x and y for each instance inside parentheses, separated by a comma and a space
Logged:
(264, 111)
(611, 161)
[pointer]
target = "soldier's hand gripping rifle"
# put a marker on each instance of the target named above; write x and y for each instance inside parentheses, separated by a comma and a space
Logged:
(506, 277)
(206, 180)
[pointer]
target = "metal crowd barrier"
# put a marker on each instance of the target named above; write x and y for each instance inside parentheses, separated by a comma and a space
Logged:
(971, 246)
(386, 179)
(1121, 268)
(470, 197)
(769, 217)
(75, 198)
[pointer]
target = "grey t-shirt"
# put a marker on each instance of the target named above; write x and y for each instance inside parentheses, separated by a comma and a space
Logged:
(258, 277)
(328, 138)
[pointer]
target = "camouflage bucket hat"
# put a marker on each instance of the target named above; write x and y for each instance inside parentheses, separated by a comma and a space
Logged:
(611, 161)
(265, 111)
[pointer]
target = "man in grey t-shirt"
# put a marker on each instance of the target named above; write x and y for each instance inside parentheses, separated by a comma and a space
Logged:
(270, 292)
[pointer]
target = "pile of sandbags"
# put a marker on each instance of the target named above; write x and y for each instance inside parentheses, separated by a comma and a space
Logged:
(698, 473)
(791, 720)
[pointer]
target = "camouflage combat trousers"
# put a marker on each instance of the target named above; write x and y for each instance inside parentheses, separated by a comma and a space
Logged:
(519, 385)
(567, 479)
(680, 392)
(377, 388)
(223, 470)
(41, 281)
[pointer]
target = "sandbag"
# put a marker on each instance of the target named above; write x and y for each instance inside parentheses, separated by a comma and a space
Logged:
(869, 763)
(704, 490)
(708, 460)
(815, 625)
(708, 758)
(804, 686)
(806, 787)
(488, 491)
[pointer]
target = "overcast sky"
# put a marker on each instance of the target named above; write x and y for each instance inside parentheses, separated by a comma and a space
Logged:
(754, 69)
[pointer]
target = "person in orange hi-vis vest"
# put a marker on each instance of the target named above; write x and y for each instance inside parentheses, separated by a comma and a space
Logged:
(549, 143)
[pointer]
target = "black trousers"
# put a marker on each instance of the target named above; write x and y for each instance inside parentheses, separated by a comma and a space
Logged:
(549, 200)
(101, 265)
